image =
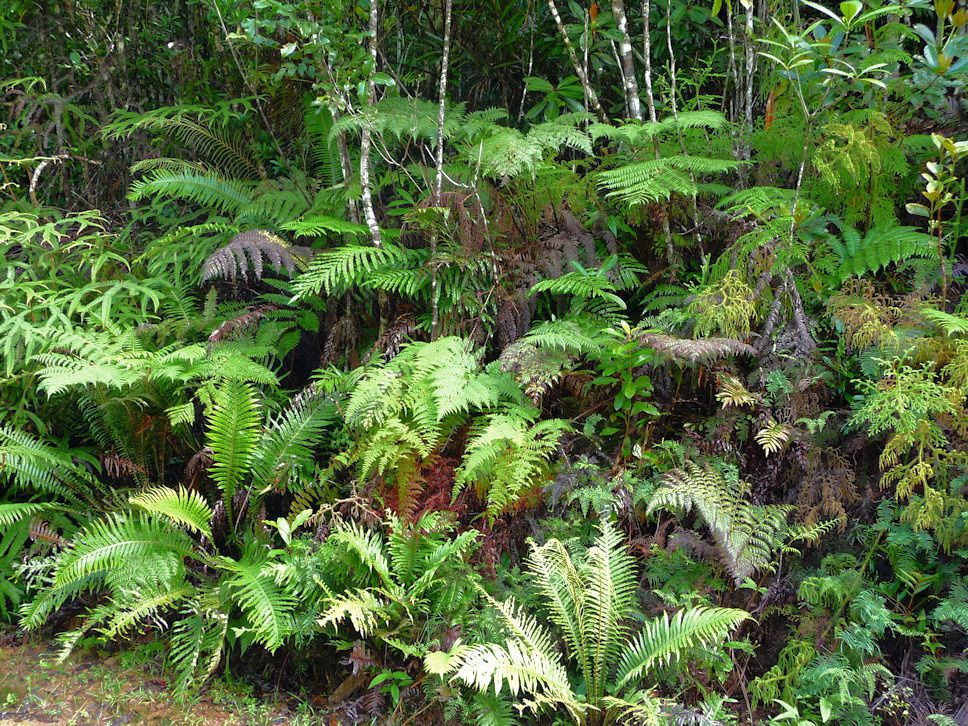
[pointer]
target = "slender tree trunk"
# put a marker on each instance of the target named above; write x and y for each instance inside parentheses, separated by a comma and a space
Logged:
(650, 102)
(579, 70)
(345, 164)
(647, 56)
(628, 66)
(673, 90)
(365, 137)
(439, 181)
(750, 72)
(442, 102)
(524, 90)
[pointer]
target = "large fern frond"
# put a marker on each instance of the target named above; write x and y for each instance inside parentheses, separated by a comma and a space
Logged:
(666, 638)
(233, 433)
(183, 507)
(207, 190)
(247, 253)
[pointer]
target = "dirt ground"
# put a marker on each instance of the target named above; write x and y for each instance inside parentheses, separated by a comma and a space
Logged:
(99, 688)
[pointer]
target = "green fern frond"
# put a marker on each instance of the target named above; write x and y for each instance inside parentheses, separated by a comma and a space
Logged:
(196, 648)
(267, 607)
(13, 512)
(233, 434)
(319, 225)
(284, 453)
(878, 249)
(183, 507)
(746, 535)
(335, 271)
(206, 190)
(666, 638)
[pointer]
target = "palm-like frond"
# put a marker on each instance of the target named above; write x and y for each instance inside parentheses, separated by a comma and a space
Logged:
(182, 507)
(666, 638)
(233, 433)
(267, 607)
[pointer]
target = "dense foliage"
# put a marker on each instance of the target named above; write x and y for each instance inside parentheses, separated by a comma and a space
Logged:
(493, 362)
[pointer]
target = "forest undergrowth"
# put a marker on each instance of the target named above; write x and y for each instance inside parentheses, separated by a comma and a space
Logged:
(478, 362)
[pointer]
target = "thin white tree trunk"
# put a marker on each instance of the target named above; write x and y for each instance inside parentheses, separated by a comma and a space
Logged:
(650, 102)
(628, 66)
(647, 55)
(365, 137)
(750, 69)
(439, 181)
(442, 102)
(675, 110)
(579, 70)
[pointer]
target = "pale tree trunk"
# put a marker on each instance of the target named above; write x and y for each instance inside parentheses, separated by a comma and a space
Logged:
(675, 110)
(579, 70)
(439, 181)
(628, 66)
(345, 162)
(750, 70)
(365, 137)
(650, 102)
(647, 56)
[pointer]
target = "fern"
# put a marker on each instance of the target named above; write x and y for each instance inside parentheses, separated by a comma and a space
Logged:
(284, 452)
(878, 249)
(182, 507)
(196, 648)
(29, 465)
(196, 127)
(318, 225)
(268, 608)
(507, 455)
(207, 190)
(233, 434)
(334, 271)
(385, 579)
(583, 284)
(658, 179)
(745, 535)
(590, 601)
(248, 252)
